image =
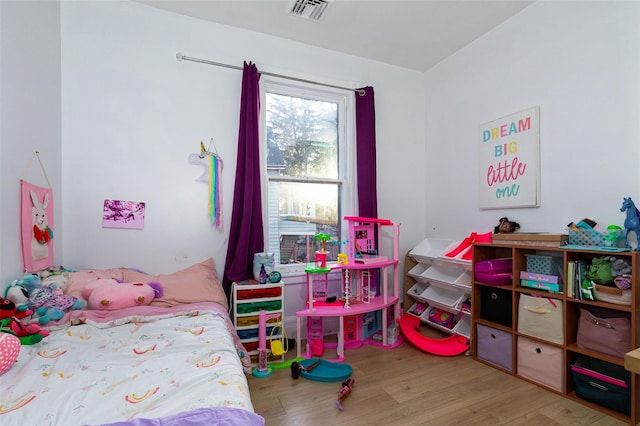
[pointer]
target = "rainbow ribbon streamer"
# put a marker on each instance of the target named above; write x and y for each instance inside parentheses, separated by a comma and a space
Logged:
(215, 191)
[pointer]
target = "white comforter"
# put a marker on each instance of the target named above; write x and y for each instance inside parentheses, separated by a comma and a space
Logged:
(150, 363)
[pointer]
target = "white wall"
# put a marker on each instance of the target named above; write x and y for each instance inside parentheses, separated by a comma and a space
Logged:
(131, 115)
(578, 61)
(29, 119)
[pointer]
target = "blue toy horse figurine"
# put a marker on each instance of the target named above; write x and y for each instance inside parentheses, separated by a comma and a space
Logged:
(632, 222)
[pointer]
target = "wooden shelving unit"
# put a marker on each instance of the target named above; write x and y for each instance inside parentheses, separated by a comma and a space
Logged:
(568, 348)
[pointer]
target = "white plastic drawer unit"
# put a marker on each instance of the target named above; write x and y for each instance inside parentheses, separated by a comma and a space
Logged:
(429, 249)
(417, 289)
(417, 271)
(456, 277)
(442, 297)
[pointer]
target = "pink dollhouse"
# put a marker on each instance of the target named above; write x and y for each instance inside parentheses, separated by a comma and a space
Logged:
(368, 305)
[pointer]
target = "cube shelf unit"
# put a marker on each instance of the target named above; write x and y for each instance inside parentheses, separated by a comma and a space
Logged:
(248, 300)
(498, 342)
(436, 281)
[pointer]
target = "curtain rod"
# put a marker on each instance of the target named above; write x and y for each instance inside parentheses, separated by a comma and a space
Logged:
(181, 57)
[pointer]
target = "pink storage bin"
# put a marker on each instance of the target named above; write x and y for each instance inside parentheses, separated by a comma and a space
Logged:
(494, 271)
(540, 363)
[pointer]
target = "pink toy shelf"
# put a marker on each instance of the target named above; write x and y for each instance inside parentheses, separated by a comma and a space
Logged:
(368, 305)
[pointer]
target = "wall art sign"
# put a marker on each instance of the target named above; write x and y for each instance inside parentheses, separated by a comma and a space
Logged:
(36, 217)
(509, 161)
(123, 214)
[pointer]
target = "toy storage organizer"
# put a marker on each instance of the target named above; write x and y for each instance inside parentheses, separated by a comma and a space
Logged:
(369, 304)
(569, 346)
(248, 301)
(440, 287)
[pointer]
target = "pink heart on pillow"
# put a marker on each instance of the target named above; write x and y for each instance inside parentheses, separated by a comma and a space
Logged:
(9, 350)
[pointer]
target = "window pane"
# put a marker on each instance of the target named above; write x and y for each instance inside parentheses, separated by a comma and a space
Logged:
(302, 137)
(301, 210)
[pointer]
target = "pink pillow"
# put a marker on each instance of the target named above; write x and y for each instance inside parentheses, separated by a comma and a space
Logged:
(77, 280)
(197, 283)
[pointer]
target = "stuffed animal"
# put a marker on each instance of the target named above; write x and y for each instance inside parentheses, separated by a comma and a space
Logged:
(109, 294)
(8, 310)
(47, 299)
(619, 266)
(27, 334)
(11, 322)
(18, 295)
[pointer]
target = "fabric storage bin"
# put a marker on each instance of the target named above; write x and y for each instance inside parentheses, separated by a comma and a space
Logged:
(541, 317)
(495, 346)
(604, 330)
(540, 363)
(495, 305)
(603, 383)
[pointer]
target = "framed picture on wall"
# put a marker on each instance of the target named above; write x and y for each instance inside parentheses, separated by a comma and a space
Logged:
(509, 161)
(123, 214)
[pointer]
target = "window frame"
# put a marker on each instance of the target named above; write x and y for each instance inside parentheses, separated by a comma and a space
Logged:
(346, 153)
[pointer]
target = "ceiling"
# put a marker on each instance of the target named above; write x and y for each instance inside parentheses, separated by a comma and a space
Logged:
(412, 34)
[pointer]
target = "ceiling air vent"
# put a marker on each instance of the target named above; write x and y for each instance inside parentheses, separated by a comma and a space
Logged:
(309, 9)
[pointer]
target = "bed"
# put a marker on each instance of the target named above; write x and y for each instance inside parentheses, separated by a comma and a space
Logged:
(177, 361)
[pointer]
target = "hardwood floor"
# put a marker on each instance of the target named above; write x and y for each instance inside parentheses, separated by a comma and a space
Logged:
(405, 386)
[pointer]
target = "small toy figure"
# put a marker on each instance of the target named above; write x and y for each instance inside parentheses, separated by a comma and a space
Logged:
(296, 368)
(263, 275)
(631, 224)
(347, 387)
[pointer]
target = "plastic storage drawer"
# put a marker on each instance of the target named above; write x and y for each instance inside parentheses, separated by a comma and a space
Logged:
(540, 363)
(495, 347)
(259, 293)
(541, 317)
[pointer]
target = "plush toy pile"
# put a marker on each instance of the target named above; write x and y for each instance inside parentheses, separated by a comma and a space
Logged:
(37, 299)
(43, 294)
(12, 322)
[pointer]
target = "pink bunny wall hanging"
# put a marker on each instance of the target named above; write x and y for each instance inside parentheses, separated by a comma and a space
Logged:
(36, 224)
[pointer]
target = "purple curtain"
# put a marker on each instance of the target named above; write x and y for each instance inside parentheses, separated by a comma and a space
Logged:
(246, 234)
(366, 153)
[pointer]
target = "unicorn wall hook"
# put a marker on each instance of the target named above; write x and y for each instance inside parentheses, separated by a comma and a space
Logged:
(631, 224)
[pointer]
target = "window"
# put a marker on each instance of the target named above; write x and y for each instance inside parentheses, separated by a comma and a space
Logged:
(306, 170)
